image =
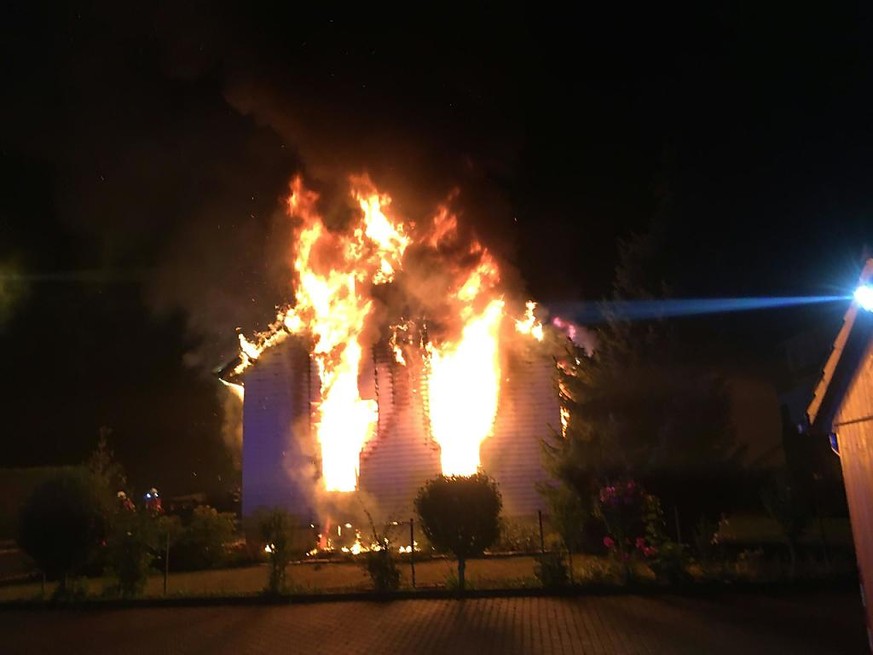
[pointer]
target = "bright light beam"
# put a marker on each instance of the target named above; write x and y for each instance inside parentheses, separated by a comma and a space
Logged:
(864, 297)
(639, 310)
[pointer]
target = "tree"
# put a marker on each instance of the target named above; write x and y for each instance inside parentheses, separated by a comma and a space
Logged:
(460, 515)
(788, 509)
(103, 466)
(641, 405)
(63, 523)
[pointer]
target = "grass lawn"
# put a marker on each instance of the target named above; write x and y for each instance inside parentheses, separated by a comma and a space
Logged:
(313, 577)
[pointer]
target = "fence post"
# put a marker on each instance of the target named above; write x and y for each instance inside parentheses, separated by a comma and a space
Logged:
(542, 537)
(412, 549)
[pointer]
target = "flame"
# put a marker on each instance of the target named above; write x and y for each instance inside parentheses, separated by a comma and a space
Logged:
(529, 324)
(335, 273)
(237, 390)
(332, 306)
(463, 387)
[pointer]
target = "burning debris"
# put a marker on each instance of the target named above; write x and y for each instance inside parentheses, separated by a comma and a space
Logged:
(455, 335)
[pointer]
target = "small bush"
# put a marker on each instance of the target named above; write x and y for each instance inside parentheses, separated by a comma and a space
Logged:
(201, 544)
(131, 550)
(551, 570)
(670, 563)
(460, 515)
(277, 533)
(598, 570)
(382, 569)
(516, 536)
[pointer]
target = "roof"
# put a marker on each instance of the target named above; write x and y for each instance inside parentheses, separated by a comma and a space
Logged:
(852, 343)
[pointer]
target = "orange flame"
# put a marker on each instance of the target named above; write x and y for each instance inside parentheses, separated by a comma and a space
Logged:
(333, 271)
(334, 275)
(530, 324)
(463, 387)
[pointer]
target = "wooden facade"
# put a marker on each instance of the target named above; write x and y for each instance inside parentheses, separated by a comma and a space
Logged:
(280, 456)
(843, 406)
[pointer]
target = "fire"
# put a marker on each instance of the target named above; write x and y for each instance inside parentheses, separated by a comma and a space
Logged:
(333, 305)
(464, 385)
(529, 324)
(237, 390)
(335, 274)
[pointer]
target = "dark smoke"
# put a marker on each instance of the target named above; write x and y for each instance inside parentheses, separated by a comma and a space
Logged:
(181, 127)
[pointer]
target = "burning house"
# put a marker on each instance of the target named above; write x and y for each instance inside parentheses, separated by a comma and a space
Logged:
(349, 406)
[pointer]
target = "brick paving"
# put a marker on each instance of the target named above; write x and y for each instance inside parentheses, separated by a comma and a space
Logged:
(807, 623)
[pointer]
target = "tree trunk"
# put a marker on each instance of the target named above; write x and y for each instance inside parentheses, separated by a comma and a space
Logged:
(462, 567)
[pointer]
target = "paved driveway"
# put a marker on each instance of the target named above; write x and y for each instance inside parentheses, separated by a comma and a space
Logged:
(809, 623)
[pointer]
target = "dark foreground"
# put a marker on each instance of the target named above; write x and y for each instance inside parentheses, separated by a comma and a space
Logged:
(800, 623)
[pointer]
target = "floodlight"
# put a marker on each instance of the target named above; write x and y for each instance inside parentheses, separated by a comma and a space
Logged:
(864, 297)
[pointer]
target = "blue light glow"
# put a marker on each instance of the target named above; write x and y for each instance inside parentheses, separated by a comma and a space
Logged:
(637, 310)
(864, 297)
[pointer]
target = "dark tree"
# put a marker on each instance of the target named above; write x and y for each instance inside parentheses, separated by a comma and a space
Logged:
(62, 524)
(787, 507)
(460, 515)
(104, 467)
(642, 405)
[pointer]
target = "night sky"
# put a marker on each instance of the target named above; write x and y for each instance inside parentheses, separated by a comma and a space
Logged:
(145, 151)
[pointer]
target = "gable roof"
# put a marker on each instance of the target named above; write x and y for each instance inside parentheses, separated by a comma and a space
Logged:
(851, 345)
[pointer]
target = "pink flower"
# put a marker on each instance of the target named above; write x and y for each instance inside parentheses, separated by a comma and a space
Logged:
(608, 541)
(648, 551)
(640, 543)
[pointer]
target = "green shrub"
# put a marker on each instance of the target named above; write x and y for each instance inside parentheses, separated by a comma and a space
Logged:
(277, 532)
(551, 570)
(516, 536)
(382, 568)
(201, 544)
(460, 515)
(598, 570)
(62, 524)
(131, 548)
(670, 562)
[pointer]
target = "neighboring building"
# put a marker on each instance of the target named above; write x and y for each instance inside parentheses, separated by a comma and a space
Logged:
(280, 454)
(842, 408)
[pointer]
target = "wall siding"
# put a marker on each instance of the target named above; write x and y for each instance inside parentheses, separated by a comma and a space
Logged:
(278, 439)
(277, 468)
(856, 459)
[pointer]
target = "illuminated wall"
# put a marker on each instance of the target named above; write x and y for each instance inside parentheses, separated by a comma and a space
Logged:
(279, 453)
